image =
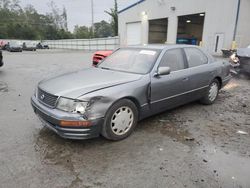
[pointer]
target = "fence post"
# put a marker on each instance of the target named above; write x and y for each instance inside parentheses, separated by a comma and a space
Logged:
(105, 43)
(89, 44)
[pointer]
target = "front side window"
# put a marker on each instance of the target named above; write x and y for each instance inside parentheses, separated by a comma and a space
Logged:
(195, 57)
(173, 59)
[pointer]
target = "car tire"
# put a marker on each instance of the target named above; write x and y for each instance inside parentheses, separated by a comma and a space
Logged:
(211, 93)
(120, 120)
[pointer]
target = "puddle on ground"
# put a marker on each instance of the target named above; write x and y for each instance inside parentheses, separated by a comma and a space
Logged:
(178, 134)
(56, 152)
(231, 169)
(3, 87)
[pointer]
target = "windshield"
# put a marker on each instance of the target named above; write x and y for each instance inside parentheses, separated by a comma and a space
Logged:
(131, 60)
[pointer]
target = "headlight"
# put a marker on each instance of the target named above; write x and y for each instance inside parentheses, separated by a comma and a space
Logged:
(72, 105)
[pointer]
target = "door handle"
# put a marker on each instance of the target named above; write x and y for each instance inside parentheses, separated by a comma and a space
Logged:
(185, 79)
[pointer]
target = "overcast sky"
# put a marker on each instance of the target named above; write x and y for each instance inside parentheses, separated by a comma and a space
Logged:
(79, 11)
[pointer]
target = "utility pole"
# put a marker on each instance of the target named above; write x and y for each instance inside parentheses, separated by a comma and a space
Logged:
(92, 17)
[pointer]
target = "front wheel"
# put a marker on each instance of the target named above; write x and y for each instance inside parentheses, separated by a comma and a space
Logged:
(211, 93)
(120, 120)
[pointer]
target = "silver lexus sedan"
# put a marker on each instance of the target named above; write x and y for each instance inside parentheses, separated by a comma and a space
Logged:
(128, 86)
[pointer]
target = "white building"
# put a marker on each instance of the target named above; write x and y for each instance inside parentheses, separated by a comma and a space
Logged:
(213, 23)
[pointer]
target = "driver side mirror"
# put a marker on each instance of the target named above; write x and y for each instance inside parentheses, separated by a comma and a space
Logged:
(163, 71)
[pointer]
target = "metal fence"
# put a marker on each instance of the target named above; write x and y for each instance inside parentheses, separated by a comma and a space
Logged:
(20, 41)
(110, 43)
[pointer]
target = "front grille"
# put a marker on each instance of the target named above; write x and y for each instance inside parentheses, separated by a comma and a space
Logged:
(47, 98)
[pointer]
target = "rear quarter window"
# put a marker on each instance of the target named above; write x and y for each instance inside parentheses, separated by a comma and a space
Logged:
(195, 57)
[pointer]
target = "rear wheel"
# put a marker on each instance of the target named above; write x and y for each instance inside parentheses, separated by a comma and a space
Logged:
(120, 120)
(211, 93)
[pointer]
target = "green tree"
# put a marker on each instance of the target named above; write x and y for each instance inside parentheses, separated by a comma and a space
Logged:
(65, 18)
(102, 29)
(26, 23)
(114, 15)
(63, 34)
(81, 32)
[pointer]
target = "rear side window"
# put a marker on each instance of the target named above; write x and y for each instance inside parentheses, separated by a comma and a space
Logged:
(195, 57)
(173, 59)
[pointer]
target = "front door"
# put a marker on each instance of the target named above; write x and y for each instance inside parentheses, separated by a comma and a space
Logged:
(168, 91)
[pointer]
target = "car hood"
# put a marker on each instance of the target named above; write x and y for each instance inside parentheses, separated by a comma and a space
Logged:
(76, 84)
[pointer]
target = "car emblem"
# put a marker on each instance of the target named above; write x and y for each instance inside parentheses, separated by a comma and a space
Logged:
(42, 97)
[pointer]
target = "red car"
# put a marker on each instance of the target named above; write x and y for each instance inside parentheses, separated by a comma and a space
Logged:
(2, 44)
(100, 55)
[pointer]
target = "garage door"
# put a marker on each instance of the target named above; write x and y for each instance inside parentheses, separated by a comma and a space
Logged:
(134, 33)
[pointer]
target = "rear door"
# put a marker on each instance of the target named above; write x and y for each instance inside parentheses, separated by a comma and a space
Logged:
(168, 91)
(200, 72)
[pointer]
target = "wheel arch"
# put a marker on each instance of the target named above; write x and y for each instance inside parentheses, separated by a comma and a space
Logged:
(135, 101)
(132, 99)
(219, 80)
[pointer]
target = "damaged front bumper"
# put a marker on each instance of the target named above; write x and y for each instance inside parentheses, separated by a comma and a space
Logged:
(54, 119)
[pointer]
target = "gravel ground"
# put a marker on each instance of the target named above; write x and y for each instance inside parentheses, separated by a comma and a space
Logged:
(191, 146)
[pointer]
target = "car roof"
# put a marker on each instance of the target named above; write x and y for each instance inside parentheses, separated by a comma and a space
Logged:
(162, 46)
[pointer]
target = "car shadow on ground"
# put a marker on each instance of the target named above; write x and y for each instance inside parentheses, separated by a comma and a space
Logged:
(166, 123)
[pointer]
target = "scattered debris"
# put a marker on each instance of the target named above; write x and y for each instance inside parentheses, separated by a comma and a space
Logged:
(163, 120)
(242, 132)
(189, 138)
